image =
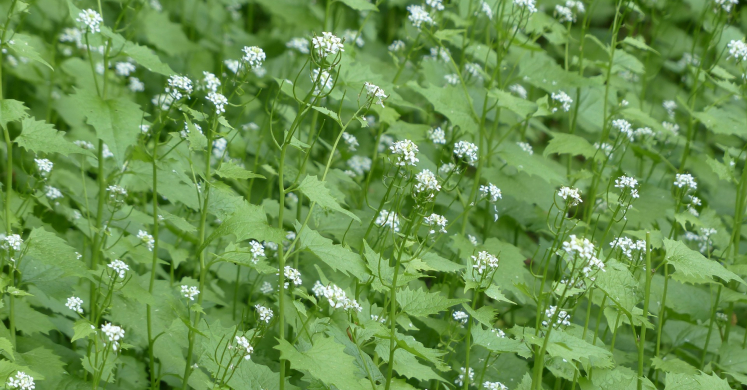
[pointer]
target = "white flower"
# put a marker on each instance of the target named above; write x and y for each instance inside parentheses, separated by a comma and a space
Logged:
(44, 166)
(299, 44)
(21, 381)
(336, 297)
(350, 140)
(627, 246)
(116, 193)
(460, 317)
(293, 275)
(491, 192)
(389, 219)
(106, 153)
(219, 100)
(405, 151)
(485, 7)
(119, 267)
(494, 386)
(189, 292)
(526, 147)
(673, 127)
(738, 50)
(326, 45)
(571, 195)
(643, 132)
(472, 239)
(440, 53)
(518, 90)
(437, 136)
(265, 313)
(91, 19)
(162, 101)
(52, 193)
(353, 36)
(726, 5)
(253, 56)
(211, 81)
(247, 349)
(179, 85)
(470, 374)
(604, 147)
(324, 80)
(232, 65)
(435, 4)
(219, 147)
(624, 182)
(498, 333)
(527, 5)
(74, 304)
(484, 261)
(685, 180)
(436, 221)
(359, 164)
(266, 288)
(426, 182)
(473, 70)
(374, 92)
(144, 128)
(564, 14)
(147, 239)
(452, 79)
(135, 85)
(418, 15)
(669, 106)
(124, 68)
(563, 100)
(257, 250)
(467, 151)
(113, 333)
(397, 46)
(584, 249)
(624, 127)
(13, 241)
(84, 145)
(563, 319)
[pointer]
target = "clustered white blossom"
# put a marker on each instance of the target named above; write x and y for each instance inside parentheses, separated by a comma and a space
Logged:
(353, 36)
(299, 44)
(21, 381)
(518, 90)
(564, 319)
(189, 292)
(491, 192)
(426, 182)
(584, 249)
(52, 193)
(436, 221)
(91, 19)
(13, 241)
(219, 147)
(113, 333)
(328, 44)
(571, 195)
(703, 239)
(246, 348)
(671, 127)
(265, 313)
(473, 70)
(437, 5)
(437, 136)
(266, 288)
(526, 147)
(568, 12)
(44, 166)
(397, 45)
(494, 386)
(452, 79)
(374, 92)
(440, 53)
(124, 68)
(484, 261)
(389, 219)
(185, 133)
(211, 81)
(219, 100)
(467, 151)
(737, 50)
(685, 180)
(74, 304)
(624, 127)
(528, 5)
(460, 317)
(669, 106)
(624, 182)
(253, 56)
(163, 101)
(726, 5)
(147, 239)
(232, 65)
(350, 140)
(418, 15)
(292, 275)
(257, 250)
(119, 267)
(179, 85)
(563, 100)
(359, 164)
(498, 333)
(470, 375)
(381, 319)
(323, 80)
(485, 8)
(628, 246)
(335, 296)
(405, 151)
(604, 147)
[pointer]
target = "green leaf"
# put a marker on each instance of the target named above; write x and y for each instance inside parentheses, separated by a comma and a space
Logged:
(495, 292)
(569, 144)
(317, 361)
(117, 121)
(619, 285)
(164, 34)
(247, 222)
(451, 102)
(339, 258)
(421, 303)
(21, 44)
(406, 363)
(438, 263)
(521, 107)
(484, 315)
(197, 140)
(695, 382)
(692, 267)
(41, 137)
(11, 110)
(229, 170)
(7, 347)
(671, 364)
(82, 329)
(447, 34)
(359, 5)
(638, 44)
(493, 342)
(317, 192)
(49, 249)
(722, 121)
(720, 169)
(141, 54)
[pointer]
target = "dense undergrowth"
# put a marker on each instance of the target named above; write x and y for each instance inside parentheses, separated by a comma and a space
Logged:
(353, 194)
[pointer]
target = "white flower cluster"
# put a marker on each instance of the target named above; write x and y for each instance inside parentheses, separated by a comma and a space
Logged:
(359, 164)
(470, 374)
(737, 50)
(219, 148)
(491, 192)
(427, 182)
(604, 147)
(494, 386)
(405, 151)
(232, 65)
(685, 180)
(335, 296)
(116, 193)
(211, 81)
(301, 45)
(564, 319)
(572, 196)
(253, 56)
(726, 5)
(671, 127)
(485, 8)
(190, 292)
(437, 5)
(21, 381)
(265, 313)
(436, 221)
(74, 304)
(135, 85)
(114, 334)
(452, 79)
(91, 19)
(568, 12)
(350, 140)
(44, 166)
(323, 80)
(628, 246)
(327, 45)
(562, 99)
(669, 106)
(584, 249)
(218, 100)
(703, 239)
(124, 68)
(526, 147)
(461, 317)
(119, 267)
(257, 250)
(246, 348)
(179, 85)
(499, 333)
(266, 288)
(353, 36)
(389, 219)
(440, 53)
(418, 15)
(624, 182)
(437, 136)
(474, 70)
(518, 90)
(624, 127)
(374, 92)
(467, 151)
(382, 319)
(526, 5)
(484, 261)
(13, 241)
(147, 239)
(52, 193)
(292, 275)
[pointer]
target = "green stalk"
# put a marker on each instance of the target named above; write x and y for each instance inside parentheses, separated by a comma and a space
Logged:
(468, 340)
(154, 264)
(710, 327)
(393, 314)
(646, 298)
(281, 261)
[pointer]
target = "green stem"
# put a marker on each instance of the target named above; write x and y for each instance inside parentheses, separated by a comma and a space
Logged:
(646, 299)
(154, 264)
